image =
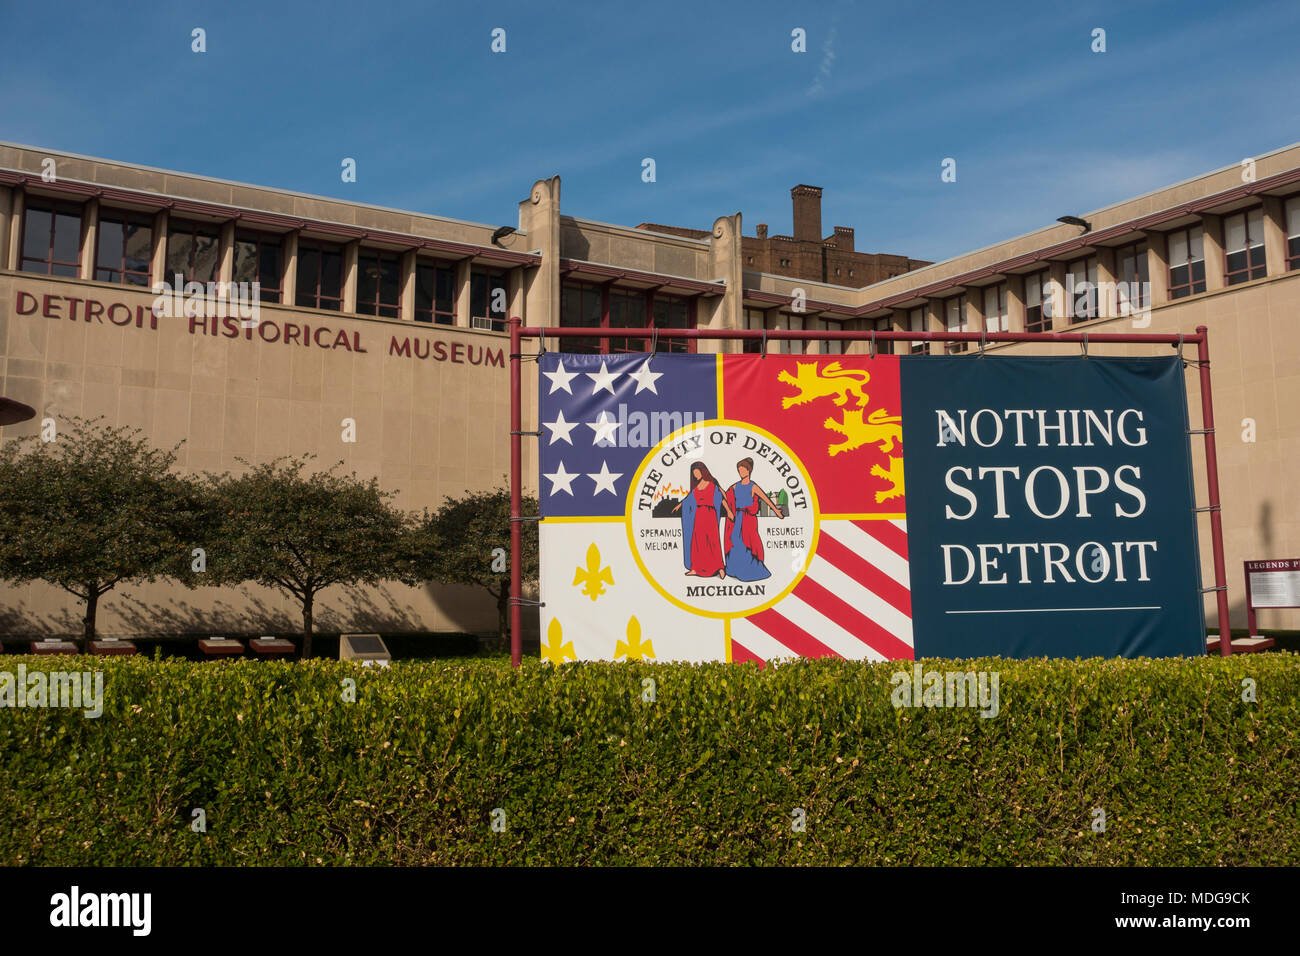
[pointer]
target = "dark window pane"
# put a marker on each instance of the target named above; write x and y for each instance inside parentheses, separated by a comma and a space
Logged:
(180, 247)
(425, 285)
(390, 283)
(331, 275)
(245, 269)
(67, 238)
(367, 284)
(207, 265)
(269, 269)
(477, 294)
(65, 269)
(445, 297)
(308, 275)
(110, 245)
(36, 234)
(138, 251)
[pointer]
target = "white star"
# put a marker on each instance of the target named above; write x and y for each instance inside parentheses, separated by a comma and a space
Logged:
(562, 479)
(605, 480)
(603, 379)
(560, 378)
(645, 378)
(560, 428)
(605, 426)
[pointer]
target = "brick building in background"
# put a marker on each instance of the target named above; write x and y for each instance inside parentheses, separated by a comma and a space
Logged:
(806, 255)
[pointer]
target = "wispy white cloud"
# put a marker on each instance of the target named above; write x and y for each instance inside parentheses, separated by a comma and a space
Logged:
(827, 63)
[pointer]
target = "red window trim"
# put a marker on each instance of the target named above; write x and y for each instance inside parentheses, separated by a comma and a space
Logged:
(381, 256)
(196, 228)
(1245, 274)
(127, 217)
(322, 246)
(433, 313)
(642, 333)
(54, 207)
(261, 238)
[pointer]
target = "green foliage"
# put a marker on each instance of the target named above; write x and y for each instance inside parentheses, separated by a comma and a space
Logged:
(461, 537)
(285, 526)
(709, 773)
(97, 506)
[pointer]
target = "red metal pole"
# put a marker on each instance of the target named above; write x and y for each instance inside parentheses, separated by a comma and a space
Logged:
(516, 466)
(1212, 486)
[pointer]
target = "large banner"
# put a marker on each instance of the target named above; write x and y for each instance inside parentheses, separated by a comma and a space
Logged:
(749, 508)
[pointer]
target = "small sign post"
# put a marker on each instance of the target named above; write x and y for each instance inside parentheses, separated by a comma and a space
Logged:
(1270, 584)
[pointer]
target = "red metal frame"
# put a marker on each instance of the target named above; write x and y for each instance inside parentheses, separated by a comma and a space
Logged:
(520, 332)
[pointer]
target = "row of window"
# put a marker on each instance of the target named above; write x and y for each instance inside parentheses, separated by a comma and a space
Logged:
(587, 306)
(52, 238)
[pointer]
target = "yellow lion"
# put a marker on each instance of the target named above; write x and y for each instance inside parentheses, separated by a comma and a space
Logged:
(880, 428)
(831, 380)
(894, 476)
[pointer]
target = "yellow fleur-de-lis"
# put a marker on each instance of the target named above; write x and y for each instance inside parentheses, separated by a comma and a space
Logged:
(593, 577)
(557, 649)
(635, 648)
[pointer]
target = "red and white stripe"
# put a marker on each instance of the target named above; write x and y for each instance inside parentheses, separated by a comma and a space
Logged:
(855, 601)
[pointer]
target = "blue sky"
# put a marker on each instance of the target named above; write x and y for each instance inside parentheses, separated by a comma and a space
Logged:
(1040, 125)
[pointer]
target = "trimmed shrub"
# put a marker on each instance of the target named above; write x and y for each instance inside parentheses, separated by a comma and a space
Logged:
(711, 772)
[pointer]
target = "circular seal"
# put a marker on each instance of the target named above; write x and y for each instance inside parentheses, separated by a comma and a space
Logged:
(722, 518)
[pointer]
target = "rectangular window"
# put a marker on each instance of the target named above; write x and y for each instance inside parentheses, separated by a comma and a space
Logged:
(258, 258)
(996, 318)
(796, 324)
(627, 310)
(124, 252)
(1081, 285)
(1134, 278)
(581, 308)
(1186, 262)
(51, 238)
(435, 292)
(885, 324)
(379, 283)
(760, 319)
(671, 312)
(832, 346)
(603, 307)
(954, 314)
(193, 251)
(488, 300)
(1038, 296)
(1293, 233)
(916, 322)
(320, 276)
(1243, 247)
(754, 319)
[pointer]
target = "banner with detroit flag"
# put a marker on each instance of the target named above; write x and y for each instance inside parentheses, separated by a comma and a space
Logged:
(751, 508)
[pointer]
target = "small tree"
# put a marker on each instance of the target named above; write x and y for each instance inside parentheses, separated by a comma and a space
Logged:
(466, 533)
(302, 531)
(93, 508)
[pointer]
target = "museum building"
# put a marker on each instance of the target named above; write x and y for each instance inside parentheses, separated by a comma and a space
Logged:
(395, 320)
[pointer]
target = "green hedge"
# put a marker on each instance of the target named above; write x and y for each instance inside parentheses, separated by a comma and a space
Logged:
(710, 773)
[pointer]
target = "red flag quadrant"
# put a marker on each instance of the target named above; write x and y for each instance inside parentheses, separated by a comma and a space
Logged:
(842, 415)
(853, 602)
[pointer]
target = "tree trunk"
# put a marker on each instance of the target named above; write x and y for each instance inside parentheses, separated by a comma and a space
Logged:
(306, 625)
(88, 623)
(503, 616)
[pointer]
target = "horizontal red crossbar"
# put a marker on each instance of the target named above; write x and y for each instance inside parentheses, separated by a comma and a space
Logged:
(571, 332)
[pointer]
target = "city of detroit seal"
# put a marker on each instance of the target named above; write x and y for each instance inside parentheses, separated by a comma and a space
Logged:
(722, 518)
